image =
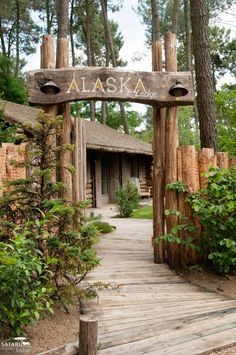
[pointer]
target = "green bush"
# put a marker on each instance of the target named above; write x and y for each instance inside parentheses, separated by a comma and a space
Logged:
(57, 240)
(102, 227)
(127, 200)
(24, 289)
(216, 208)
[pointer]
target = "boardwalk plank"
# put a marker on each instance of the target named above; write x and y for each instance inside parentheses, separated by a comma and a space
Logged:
(153, 311)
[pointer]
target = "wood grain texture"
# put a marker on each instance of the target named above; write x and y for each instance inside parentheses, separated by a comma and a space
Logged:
(108, 84)
(171, 144)
(158, 164)
(150, 309)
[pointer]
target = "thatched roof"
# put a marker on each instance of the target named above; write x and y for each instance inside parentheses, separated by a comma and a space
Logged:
(20, 114)
(101, 137)
(98, 136)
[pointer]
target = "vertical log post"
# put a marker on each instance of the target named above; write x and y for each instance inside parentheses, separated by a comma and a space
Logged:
(75, 160)
(64, 109)
(222, 160)
(88, 336)
(232, 162)
(158, 164)
(207, 159)
(48, 61)
(173, 251)
(191, 179)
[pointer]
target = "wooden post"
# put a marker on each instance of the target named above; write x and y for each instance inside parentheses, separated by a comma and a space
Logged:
(158, 164)
(191, 179)
(75, 160)
(48, 53)
(173, 251)
(207, 159)
(64, 108)
(232, 162)
(222, 160)
(88, 336)
(48, 61)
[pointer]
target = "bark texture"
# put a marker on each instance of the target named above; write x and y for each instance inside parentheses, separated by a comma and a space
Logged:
(204, 77)
(155, 21)
(113, 59)
(175, 16)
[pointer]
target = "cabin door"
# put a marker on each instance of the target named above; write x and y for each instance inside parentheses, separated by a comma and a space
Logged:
(105, 180)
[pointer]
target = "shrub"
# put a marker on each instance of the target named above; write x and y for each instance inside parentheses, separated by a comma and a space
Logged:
(102, 227)
(25, 293)
(56, 240)
(127, 200)
(216, 208)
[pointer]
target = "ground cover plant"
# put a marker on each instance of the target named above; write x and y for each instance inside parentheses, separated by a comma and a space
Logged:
(215, 206)
(46, 249)
(143, 212)
(102, 227)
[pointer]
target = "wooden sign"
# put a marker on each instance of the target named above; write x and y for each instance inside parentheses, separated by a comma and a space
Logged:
(74, 84)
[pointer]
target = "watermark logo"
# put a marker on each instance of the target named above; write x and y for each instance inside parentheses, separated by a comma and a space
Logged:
(15, 345)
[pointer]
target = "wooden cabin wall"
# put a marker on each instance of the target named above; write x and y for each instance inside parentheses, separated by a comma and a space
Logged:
(126, 169)
(145, 177)
(114, 176)
(89, 185)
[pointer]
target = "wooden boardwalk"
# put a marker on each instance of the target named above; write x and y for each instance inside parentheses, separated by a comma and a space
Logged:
(153, 311)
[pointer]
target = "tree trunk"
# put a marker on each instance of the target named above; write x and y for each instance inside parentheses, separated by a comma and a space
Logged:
(89, 53)
(156, 32)
(104, 103)
(62, 18)
(188, 42)
(72, 44)
(204, 79)
(64, 109)
(4, 52)
(48, 16)
(175, 16)
(17, 38)
(113, 59)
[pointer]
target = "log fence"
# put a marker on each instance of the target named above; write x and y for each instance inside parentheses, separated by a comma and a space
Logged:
(191, 169)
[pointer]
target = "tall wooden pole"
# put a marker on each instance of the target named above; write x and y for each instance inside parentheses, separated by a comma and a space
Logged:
(64, 109)
(158, 163)
(48, 61)
(173, 253)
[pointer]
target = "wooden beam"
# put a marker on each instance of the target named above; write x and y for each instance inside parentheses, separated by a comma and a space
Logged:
(108, 84)
(172, 141)
(64, 110)
(158, 164)
(48, 61)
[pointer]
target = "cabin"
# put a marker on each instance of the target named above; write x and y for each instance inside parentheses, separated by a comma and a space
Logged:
(106, 158)
(112, 159)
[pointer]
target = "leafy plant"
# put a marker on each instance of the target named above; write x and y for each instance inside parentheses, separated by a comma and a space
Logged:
(102, 227)
(127, 200)
(25, 292)
(215, 206)
(56, 232)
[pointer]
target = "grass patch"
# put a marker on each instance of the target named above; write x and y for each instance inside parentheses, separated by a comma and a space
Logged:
(143, 213)
(102, 227)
